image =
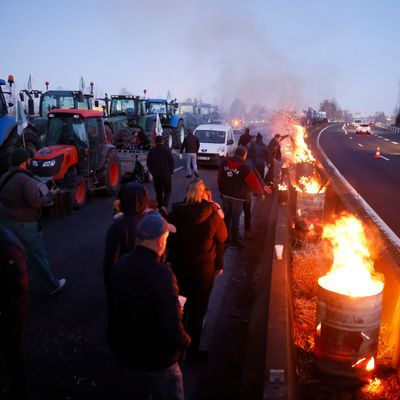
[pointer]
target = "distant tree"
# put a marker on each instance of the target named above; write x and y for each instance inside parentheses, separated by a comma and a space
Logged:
(237, 108)
(330, 107)
(347, 116)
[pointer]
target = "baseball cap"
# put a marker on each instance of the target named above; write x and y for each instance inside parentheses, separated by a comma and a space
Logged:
(19, 155)
(153, 225)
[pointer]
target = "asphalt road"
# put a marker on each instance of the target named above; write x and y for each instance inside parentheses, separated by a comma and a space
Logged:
(377, 180)
(67, 350)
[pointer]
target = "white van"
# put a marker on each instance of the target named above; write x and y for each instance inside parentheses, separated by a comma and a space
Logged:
(216, 142)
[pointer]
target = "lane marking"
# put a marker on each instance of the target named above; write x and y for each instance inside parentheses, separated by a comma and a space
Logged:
(387, 159)
(394, 142)
(392, 237)
(380, 137)
(351, 137)
(177, 169)
(388, 140)
(360, 144)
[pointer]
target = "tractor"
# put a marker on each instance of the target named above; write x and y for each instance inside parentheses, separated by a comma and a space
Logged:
(172, 124)
(195, 114)
(77, 156)
(8, 130)
(35, 132)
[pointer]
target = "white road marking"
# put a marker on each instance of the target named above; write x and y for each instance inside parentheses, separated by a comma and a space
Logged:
(177, 169)
(387, 159)
(380, 137)
(388, 140)
(394, 142)
(351, 137)
(360, 144)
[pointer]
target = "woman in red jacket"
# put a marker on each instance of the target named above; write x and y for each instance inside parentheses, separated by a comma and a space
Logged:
(196, 252)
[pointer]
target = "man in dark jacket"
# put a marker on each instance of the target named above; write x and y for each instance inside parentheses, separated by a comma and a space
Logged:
(191, 146)
(21, 200)
(161, 165)
(146, 333)
(258, 154)
(235, 181)
(273, 154)
(13, 314)
(245, 139)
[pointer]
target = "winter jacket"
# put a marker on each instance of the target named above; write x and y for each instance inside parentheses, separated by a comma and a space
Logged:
(196, 250)
(13, 277)
(258, 153)
(236, 179)
(245, 139)
(22, 196)
(146, 331)
(274, 151)
(190, 144)
(160, 161)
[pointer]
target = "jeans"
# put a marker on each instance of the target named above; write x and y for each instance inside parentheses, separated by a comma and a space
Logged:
(29, 233)
(166, 384)
(232, 209)
(162, 186)
(191, 163)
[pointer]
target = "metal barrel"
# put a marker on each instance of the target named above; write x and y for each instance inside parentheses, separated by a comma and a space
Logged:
(346, 333)
(309, 209)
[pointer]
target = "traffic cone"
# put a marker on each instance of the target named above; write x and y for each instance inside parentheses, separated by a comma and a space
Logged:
(378, 153)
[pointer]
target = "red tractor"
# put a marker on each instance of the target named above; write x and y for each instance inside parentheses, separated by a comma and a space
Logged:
(77, 155)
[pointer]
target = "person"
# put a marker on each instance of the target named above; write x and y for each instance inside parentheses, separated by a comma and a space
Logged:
(196, 253)
(14, 302)
(133, 202)
(146, 334)
(235, 181)
(258, 154)
(273, 154)
(191, 147)
(161, 165)
(21, 199)
(208, 197)
(245, 138)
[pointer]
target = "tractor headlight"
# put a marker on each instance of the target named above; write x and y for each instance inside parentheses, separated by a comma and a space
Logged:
(49, 163)
(34, 163)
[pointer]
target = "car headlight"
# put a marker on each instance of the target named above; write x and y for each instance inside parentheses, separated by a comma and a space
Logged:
(34, 163)
(221, 151)
(49, 163)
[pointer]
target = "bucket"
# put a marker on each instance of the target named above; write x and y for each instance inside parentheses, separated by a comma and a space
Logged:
(347, 333)
(309, 209)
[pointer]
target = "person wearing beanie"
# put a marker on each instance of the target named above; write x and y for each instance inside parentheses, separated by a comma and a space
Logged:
(245, 139)
(21, 199)
(161, 165)
(146, 333)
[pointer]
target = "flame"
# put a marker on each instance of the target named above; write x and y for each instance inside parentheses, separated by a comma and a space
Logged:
(352, 272)
(301, 152)
(370, 365)
(282, 186)
(318, 329)
(359, 362)
(308, 184)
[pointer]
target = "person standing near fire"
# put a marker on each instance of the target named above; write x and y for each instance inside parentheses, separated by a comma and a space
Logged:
(245, 138)
(273, 154)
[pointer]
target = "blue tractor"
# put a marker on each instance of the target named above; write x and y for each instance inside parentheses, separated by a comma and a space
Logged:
(172, 124)
(8, 131)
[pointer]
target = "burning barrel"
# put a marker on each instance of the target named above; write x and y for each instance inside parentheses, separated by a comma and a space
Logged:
(349, 304)
(347, 333)
(306, 169)
(309, 209)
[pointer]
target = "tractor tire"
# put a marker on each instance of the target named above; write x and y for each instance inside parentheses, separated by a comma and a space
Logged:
(168, 137)
(32, 142)
(77, 185)
(112, 174)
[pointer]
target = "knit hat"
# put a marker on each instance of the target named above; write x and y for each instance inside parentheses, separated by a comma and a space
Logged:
(152, 226)
(19, 156)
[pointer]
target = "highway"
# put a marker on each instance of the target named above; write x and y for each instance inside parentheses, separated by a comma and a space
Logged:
(377, 180)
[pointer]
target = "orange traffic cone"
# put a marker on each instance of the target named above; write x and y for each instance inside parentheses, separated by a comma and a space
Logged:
(378, 153)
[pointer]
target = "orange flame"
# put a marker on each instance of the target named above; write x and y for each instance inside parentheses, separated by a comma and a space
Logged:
(307, 184)
(352, 272)
(370, 365)
(301, 152)
(282, 186)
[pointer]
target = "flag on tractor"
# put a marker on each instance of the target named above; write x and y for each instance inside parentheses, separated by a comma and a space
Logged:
(159, 129)
(21, 117)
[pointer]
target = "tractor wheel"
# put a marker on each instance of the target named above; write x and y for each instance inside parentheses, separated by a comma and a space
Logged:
(77, 185)
(112, 174)
(168, 137)
(32, 142)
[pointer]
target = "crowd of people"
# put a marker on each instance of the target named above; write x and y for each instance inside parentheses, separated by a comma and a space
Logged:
(155, 261)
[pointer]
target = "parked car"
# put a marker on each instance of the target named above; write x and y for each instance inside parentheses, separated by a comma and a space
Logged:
(363, 128)
(216, 142)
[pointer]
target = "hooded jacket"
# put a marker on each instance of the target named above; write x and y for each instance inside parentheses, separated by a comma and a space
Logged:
(258, 152)
(160, 161)
(199, 238)
(121, 235)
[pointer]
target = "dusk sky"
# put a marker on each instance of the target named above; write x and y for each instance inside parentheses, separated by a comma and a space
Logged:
(268, 52)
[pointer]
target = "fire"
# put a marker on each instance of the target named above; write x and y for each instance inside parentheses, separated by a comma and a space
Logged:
(301, 152)
(282, 186)
(309, 185)
(370, 365)
(352, 272)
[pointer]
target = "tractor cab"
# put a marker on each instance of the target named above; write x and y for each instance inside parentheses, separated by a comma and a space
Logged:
(64, 99)
(77, 154)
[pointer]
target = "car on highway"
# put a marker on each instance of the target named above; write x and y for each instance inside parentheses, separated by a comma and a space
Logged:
(217, 141)
(363, 128)
(356, 122)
